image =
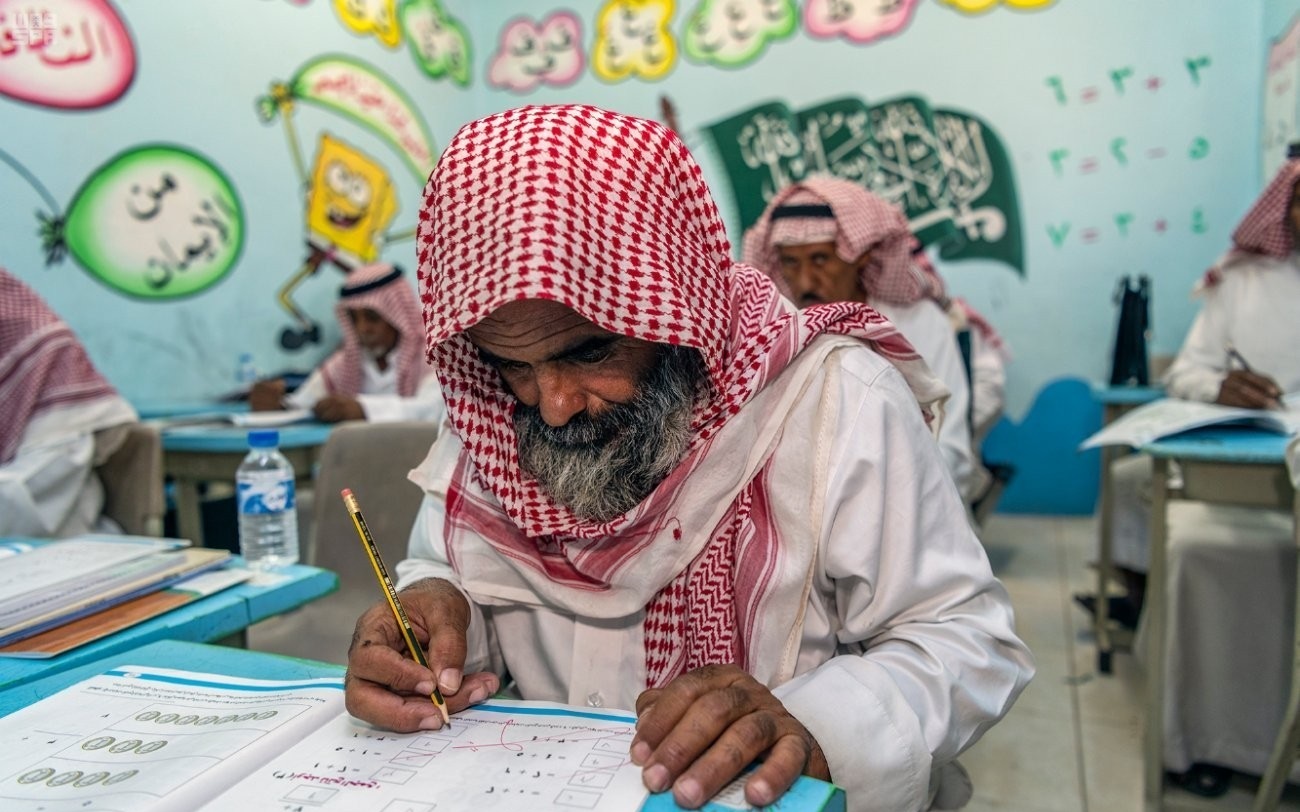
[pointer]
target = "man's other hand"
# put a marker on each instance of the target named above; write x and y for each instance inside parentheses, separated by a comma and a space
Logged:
(336, 409)
(1249, 390)
(385, 687)
(705, 727)
(266, 395)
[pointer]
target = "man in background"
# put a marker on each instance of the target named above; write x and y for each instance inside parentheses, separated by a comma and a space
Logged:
(379, 374)
(59, 420)
(825, 240)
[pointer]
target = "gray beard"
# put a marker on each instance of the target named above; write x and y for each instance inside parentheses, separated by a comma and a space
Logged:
(601, 467)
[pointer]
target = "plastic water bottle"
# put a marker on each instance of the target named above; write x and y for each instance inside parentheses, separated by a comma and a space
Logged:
(268, 517)
(245, 370)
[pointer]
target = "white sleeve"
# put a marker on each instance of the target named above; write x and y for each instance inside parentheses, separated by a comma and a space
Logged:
(1198, 371)
(42, 486)
(929, 658)
(934, 340)
(427, 554)
(310, 391)
(425, 405)
(988, 384)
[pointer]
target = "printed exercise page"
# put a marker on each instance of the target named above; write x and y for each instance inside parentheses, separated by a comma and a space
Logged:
(501, 756)
(153, 740)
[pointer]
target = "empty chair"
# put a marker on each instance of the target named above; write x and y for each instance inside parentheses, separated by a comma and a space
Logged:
(373, 460)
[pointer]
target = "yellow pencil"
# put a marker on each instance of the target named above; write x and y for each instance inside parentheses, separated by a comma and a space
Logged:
(381, 572)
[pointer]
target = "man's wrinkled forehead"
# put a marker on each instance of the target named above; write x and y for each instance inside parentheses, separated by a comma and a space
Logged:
(530, 325)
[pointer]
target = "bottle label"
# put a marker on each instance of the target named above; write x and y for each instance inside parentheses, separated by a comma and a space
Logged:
(263, 492)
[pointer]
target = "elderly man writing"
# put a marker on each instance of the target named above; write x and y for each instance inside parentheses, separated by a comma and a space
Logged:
(667, 488)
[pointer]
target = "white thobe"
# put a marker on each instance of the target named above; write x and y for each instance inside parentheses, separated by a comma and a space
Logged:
(1231, 571)
(50, 489)
(928, 329)
(988, 386)
(378, 398)
(907, 651)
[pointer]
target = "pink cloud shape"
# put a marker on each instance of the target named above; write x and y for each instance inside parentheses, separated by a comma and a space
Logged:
(73, 54)
(531, 54)
(860, 21)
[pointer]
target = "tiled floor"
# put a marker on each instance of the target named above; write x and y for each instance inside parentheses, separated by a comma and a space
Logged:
(1073, 742)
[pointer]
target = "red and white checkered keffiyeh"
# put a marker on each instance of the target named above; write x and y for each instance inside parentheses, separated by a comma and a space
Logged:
(395, 301)
(42, 364)
(1266, 229)
(609, 215)
(866, 223)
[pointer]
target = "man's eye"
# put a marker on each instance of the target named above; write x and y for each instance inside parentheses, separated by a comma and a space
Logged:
(510, 366)
(595, 355)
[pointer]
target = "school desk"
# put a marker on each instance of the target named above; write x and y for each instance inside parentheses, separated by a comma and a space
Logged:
(262, 665)
(195, 455)
(1221, 465)
(223, 615)
(1115, 401)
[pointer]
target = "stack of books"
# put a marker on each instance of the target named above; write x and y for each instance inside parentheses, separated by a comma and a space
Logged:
(53, 594)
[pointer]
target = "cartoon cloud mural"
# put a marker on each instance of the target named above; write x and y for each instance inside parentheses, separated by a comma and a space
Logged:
(732, 33)
(377, 17)
(69, 54)
(981, 6)
(351, 199)
(438, 41)
(155, 222)
(632, 39)
(860, 21)
(530, 55)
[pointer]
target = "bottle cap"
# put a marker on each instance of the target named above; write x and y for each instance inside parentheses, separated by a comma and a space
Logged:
(264, 438)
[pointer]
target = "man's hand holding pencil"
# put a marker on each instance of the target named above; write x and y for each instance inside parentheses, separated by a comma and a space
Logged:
(386, 687)
(1246, 388)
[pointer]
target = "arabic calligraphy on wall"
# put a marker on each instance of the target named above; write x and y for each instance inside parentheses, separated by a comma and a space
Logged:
(946, 169)
(156, 221)
(69, 54)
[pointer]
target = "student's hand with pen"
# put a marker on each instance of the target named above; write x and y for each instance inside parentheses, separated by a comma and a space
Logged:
(385, 687)
(266, 395)
(1249, 390)
(705, 727)
(337, 408)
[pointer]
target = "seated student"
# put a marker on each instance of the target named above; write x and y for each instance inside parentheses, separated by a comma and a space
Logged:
(1229, 659)
(666, 488)
(824, 240)
(1250, 298)
(61, 419)
(379, 374)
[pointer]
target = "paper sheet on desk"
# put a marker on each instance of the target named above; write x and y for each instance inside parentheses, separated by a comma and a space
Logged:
(250, 420)
(1169, 416)
(502, 755)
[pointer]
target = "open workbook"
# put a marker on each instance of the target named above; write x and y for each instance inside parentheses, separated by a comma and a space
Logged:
(251, 420)
(1169, 416)
(139, 739)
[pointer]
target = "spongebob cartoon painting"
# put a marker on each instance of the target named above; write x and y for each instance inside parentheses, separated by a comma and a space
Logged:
(350, 204)
(351, 198)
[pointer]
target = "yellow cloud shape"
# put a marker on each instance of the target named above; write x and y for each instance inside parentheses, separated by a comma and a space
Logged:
(981, 6)
(632, 37)
(378, 17)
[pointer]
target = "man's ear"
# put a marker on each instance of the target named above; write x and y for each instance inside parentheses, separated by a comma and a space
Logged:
(860, 263)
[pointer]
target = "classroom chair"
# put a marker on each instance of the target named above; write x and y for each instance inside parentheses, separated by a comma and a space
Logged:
(373, 460)
(133, 482)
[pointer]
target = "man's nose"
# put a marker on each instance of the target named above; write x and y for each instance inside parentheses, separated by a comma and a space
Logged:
(559, 396)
